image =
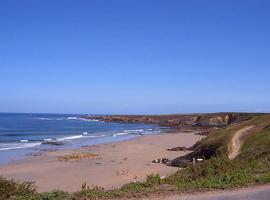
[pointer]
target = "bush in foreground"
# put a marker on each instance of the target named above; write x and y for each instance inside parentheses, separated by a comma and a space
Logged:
(128, 190)
(10, 189)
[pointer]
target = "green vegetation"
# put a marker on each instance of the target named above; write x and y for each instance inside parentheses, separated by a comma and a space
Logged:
(257, 145)
(220, 173)
(251, 166)
(10, 189)
(216, 143)
(129, 190)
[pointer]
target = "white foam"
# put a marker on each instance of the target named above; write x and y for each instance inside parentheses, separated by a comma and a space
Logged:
(74, 137)
(119, 134)
(89, 120)
(10, 146)
(72, 118)
(95, 136)
(94, 120)
(44, 118)
(48, 139)
(84, 135)
(134, 131)
(24, 141)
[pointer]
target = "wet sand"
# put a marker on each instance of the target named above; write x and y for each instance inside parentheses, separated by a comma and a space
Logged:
(117, 163)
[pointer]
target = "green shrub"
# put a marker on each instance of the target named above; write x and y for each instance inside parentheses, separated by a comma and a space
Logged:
(152, 180)
(55, 195)
(10, 189)
(216, 173)
(132, 187)
(92, 192)
(128, 190)
(263, 179)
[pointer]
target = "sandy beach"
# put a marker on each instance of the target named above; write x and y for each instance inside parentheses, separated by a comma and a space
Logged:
(117, 163)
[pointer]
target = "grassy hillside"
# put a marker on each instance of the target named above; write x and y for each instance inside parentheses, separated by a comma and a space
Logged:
(251, 166)
(216, 143)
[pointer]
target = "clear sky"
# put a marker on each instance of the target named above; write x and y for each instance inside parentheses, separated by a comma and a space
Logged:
(134, 56)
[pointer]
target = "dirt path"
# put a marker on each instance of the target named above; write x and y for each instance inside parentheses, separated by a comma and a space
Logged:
(235, 144)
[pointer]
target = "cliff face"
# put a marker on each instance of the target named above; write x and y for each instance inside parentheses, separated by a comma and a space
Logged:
(203, 120)
(219, 121)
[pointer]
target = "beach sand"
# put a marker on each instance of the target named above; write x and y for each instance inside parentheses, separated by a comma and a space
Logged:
(117, 163)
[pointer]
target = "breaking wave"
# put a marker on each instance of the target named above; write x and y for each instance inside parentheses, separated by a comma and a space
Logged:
(10, 146)
(74, 137)
(57, 118)
(119, 134)
(72, 118)
(134, 132)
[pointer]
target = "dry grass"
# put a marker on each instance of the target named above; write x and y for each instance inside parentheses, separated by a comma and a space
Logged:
(77, 156)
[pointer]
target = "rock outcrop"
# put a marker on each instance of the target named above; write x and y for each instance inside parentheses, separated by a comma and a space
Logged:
(222, 120)
(203, 120)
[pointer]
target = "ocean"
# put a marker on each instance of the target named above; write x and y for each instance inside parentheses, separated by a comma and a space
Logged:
(29, 134)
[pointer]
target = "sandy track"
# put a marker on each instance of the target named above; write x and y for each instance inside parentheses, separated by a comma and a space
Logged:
(235, 144)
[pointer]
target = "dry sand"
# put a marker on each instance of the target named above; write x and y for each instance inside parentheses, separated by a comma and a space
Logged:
(118, 163)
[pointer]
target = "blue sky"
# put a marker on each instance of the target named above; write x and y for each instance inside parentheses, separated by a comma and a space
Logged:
(135, 56)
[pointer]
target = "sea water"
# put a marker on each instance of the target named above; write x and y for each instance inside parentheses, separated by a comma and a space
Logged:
(27, 134)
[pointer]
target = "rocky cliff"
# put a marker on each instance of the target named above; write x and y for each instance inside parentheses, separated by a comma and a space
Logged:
(200, 120)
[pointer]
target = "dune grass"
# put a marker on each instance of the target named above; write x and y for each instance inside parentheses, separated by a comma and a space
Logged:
(77, 156)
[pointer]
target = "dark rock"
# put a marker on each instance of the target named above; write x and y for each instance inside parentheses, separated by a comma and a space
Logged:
(53, 143)
(202, 132)
(193, 120)
(178, 149)
(164, 160)
(180, 162)
(156, 160)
